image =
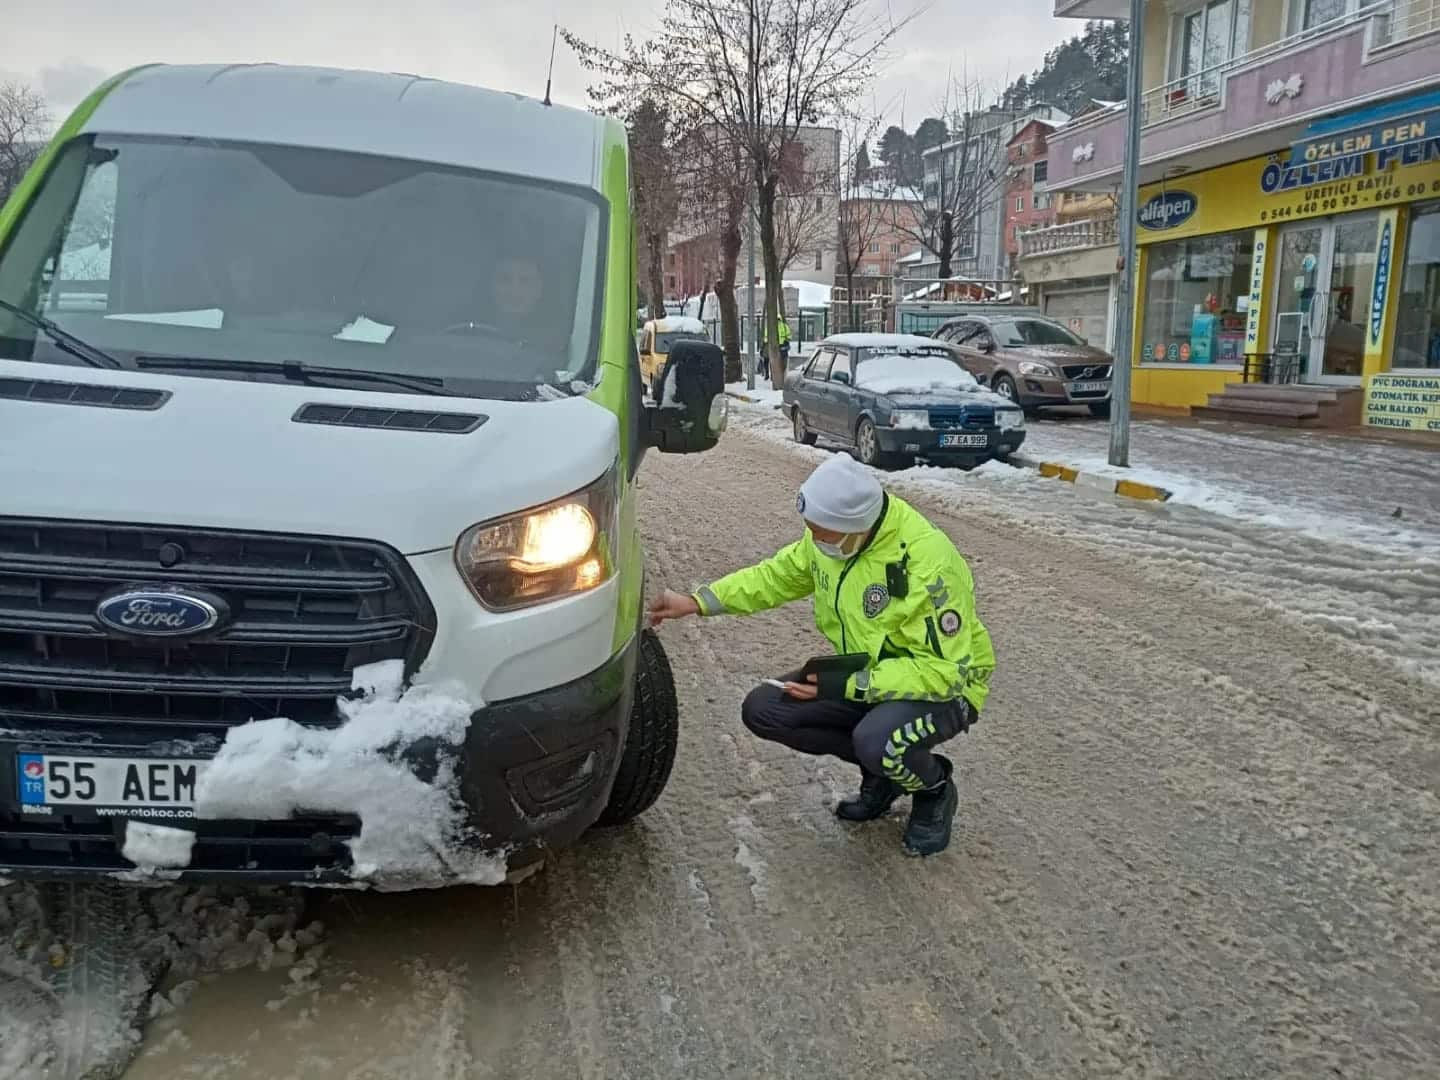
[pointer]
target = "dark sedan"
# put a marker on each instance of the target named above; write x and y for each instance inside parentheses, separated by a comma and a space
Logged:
(896, 397)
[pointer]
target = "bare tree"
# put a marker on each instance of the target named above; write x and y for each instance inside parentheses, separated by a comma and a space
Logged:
(23, 121)
(867, 208)
(963, 177)
(657, 193)
(714, 201)
(805, 209)
(759, 70)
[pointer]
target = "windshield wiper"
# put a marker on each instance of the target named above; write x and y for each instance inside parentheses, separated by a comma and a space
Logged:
(292, 370)
(63, 339)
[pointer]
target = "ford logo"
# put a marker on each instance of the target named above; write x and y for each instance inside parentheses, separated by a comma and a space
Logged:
(1166, 210)
(163, 612)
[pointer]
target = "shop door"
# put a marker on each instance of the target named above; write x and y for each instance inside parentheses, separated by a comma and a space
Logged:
(1326, 271)
(1085, 311)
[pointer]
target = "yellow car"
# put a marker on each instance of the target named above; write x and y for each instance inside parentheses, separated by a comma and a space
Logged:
(656, 338)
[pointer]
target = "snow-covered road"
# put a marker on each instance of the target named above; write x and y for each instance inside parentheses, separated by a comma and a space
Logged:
(1197, 833)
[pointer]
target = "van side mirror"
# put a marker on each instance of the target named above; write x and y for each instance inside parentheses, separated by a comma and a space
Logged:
(690, 409)
(842, 377)
(987, 345)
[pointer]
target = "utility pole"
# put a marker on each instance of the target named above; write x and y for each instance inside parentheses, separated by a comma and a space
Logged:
(750, 363)
(1129, 209)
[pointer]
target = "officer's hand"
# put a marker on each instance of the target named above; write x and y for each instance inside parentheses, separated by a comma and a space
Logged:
(671, 605)
(806, 691)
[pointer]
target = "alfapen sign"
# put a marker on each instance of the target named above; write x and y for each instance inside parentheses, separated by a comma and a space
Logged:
(1167, 210)
(1382, 284)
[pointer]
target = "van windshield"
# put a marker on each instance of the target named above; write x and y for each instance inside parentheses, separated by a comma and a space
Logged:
(188, 250)
(663, 342)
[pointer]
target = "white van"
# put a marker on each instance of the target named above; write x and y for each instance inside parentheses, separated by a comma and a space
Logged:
(319, 420)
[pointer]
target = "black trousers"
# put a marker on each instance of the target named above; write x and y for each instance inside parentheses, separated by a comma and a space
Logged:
(892, 739)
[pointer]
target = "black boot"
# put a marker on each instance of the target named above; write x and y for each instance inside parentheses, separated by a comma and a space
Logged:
(928, 831)
(876, 796)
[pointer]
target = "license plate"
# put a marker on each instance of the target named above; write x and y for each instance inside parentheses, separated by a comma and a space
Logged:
(1089, 387)
(964, 440)
(142, 787)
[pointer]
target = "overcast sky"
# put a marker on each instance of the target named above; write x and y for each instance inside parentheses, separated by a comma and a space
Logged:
(65, 47)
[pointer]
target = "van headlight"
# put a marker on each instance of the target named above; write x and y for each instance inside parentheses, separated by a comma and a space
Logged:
(558, 549)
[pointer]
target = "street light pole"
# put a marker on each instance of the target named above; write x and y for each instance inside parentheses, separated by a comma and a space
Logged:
(1129, 209)
(750, 303)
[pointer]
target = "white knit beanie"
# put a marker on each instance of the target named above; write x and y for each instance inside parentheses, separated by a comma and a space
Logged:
(841, 495)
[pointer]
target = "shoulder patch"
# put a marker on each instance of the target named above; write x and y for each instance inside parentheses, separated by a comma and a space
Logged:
(950, 622)
(875, 599)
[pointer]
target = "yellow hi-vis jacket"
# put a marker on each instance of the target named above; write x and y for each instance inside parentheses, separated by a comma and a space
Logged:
(927, 646)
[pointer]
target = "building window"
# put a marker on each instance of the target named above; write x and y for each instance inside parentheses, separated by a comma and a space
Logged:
(894, 249)
(1417, 337)
(1042, 171)
(1208, 36)
(1042, 202)
(875, 247)
(1196, 294)
(1019, 204)
(819, 258)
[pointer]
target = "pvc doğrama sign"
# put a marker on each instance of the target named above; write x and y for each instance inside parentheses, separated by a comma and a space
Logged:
(1369, 131)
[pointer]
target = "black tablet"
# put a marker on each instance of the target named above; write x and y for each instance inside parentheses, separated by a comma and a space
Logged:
(846, 663)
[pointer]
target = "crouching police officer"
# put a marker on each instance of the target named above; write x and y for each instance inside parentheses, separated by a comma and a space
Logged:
(897, 603)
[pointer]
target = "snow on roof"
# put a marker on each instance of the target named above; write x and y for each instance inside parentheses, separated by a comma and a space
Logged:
(400, 116)
(812, 295)
(881, 192)
(676, 324)
(880, 341)
(918, 255)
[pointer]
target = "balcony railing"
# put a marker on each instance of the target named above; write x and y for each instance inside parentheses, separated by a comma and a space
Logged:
(1069, 236)
(1393, 22)
(1403, 20)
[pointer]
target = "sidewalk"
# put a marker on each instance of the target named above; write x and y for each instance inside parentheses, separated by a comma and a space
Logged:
(1359, 486)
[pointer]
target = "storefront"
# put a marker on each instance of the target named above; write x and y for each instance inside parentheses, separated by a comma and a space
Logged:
(1303, 264)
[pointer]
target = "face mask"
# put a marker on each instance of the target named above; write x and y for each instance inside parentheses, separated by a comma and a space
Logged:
(837, 551)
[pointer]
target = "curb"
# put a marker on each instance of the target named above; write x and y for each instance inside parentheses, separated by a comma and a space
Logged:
(1108, 485)
(748, 400)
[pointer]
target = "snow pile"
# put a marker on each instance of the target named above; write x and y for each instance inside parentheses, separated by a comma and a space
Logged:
(763, 397)
(896, 374)
(157, 846)
(128, 940)
(412, 830)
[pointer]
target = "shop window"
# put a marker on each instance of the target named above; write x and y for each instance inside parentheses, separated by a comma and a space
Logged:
(1417, 338)
(1197, 293)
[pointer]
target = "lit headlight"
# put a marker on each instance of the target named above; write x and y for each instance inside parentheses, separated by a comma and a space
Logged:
(544, 553)
(910, 418)
(1030, 367)
(1009, 419)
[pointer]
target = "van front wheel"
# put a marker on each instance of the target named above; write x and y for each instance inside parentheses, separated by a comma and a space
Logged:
(649, 751)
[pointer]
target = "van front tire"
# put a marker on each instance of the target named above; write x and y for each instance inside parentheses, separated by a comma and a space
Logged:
(649, 751)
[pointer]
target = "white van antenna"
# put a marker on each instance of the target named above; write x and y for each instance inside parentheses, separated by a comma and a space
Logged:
(550, 71)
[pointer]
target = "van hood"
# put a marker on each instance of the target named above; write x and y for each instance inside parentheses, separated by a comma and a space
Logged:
(227, 454)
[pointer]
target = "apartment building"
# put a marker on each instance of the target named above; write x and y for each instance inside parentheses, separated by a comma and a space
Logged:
(1289, 211)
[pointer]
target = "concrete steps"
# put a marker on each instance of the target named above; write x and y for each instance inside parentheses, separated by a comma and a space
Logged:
(1298, 405)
